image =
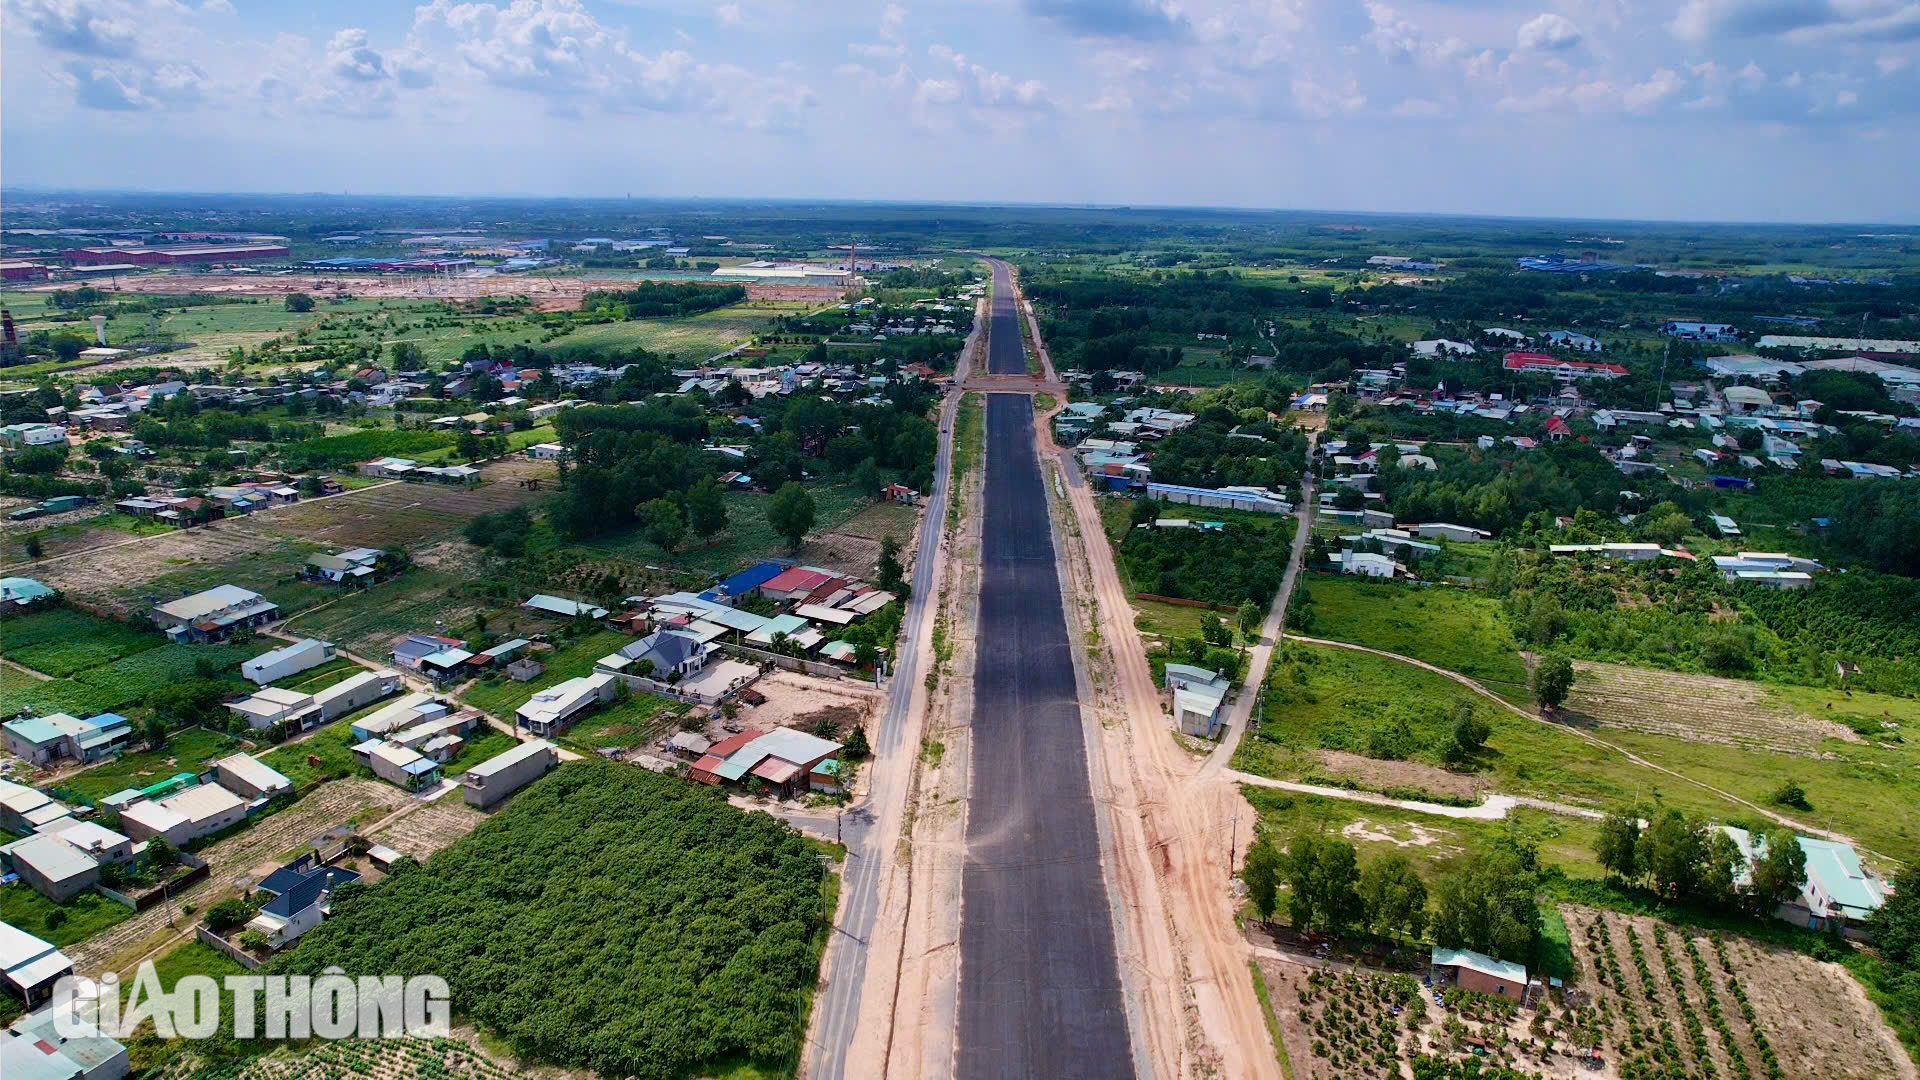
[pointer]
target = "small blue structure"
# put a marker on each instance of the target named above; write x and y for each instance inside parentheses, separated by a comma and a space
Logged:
(1734, 483)
(747, 581)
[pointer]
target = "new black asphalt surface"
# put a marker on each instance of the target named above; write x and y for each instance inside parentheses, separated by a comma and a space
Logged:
(1039, 984)
(1005, 355)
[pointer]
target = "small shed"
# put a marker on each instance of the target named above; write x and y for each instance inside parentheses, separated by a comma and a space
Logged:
(1479, 972)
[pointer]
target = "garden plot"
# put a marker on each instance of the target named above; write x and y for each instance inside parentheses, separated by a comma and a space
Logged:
(403, 513)
(1667, 997)
(1697, 708)
(1360, 1024)
(430, 828)
(405, 1059)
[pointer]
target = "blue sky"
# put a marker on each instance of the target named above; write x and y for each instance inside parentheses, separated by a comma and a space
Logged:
(1800, 110)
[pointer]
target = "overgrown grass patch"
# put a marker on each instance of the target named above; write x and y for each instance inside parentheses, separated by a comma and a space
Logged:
(1452, 628)
(63, 641)
(188, 750)
(59, 925)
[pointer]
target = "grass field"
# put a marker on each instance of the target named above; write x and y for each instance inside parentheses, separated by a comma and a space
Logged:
(501, 696)
(747, 539)
(1456, 629)
(633, 721)
(692, 339)
(268, 572)
(482, 743)
(327, 752)
(1168, 621)
(58, 924)
(366, 621)
(189, 750)
(64, 641)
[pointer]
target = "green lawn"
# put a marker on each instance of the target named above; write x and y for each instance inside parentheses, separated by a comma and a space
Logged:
(692, 339)
(59, 925)
(1454, 628)
(1168, 621)
(326, 753)
(367, 621)
(482, 743)
(634, 721)
(501, 696)
(189, 750)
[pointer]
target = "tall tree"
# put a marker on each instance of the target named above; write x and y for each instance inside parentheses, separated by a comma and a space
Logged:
(791, 512)
(1779, 873)
(1322, 873)
(1552, 680)
(1617, 846)
(706, 510)
(1488, 904)
(1674, 852)
(662, 521)
(1393, 896)
(1262, 876)
(888, 570)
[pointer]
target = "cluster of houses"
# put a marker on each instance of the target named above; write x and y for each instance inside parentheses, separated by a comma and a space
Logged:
(784, 761)
(407, 741)
(214, 504)
(1769, 569)
(214, 614)
(62, 851)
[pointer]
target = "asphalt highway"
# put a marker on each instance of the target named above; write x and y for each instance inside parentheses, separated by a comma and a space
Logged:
(1040, 991)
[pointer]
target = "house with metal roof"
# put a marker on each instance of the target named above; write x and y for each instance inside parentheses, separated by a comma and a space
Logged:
(561, 607)
(783, 758)
(20, 592)
(747, 581)
(552, 709)
(40, 739)
(277, 664)
(214, 614)
(272, 705)
(1478, 972)
(25, 810)
(658, 655)
(355, 692)
(51, 866)
(301, 892)
(29, 966)
(1198, 695)
(1839, 894)
(198, 811)
(792, 629)
(248, 776)
(404, 768)
(503, 774)
(59, 1045)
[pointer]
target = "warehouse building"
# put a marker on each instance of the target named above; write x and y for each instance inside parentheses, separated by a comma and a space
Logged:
(287, 660)
(199, 811)
(181, 255)
(355, 693)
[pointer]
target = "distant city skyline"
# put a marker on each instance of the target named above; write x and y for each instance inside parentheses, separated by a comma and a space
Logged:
(1716, 110)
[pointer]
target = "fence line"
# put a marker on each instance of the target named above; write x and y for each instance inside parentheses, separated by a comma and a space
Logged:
(240, 956)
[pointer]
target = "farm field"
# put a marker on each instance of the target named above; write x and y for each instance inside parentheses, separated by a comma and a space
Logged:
(366, 621)
(1701, 708)
(853, 546)
(690, 340)
(188, 750)
(1772, 1003)
(119, 684)
(1453, 628)
(263, 550)
(63, 641)
(432, 827)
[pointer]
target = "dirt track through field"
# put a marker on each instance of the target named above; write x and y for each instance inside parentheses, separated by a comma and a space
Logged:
(329, 806)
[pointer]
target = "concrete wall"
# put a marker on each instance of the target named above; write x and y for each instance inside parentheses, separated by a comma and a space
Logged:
(1482, 983)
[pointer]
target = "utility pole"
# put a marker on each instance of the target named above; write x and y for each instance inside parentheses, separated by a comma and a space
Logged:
(1233, 845)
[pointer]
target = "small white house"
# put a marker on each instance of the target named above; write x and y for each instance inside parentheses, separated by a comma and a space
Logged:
(287, 660)
(1364, 563)
(1459, 534)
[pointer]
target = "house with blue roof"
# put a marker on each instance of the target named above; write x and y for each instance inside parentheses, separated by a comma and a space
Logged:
(40, 739)
(746, 582)
(22, 592)
(301, 892)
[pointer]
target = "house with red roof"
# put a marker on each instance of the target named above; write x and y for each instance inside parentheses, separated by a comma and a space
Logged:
(1536, 363)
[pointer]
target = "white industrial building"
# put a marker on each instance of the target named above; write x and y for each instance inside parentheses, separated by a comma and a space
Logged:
(355, 693)
(287, 660)
(247, 775)
(196, 812)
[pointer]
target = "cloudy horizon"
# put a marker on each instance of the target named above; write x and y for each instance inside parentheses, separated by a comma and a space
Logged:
(1724, 110)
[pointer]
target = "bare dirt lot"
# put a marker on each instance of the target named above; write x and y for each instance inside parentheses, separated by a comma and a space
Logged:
(432, 827)
(796, 700)
(112, 572)
(854, 547)
(1699, 708)
(332, 805)
(1401, 775)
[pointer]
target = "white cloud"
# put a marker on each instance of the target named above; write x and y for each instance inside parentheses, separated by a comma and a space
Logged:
(107, 29)
(1318, 100)
(1549, 32)
(1662, 85)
